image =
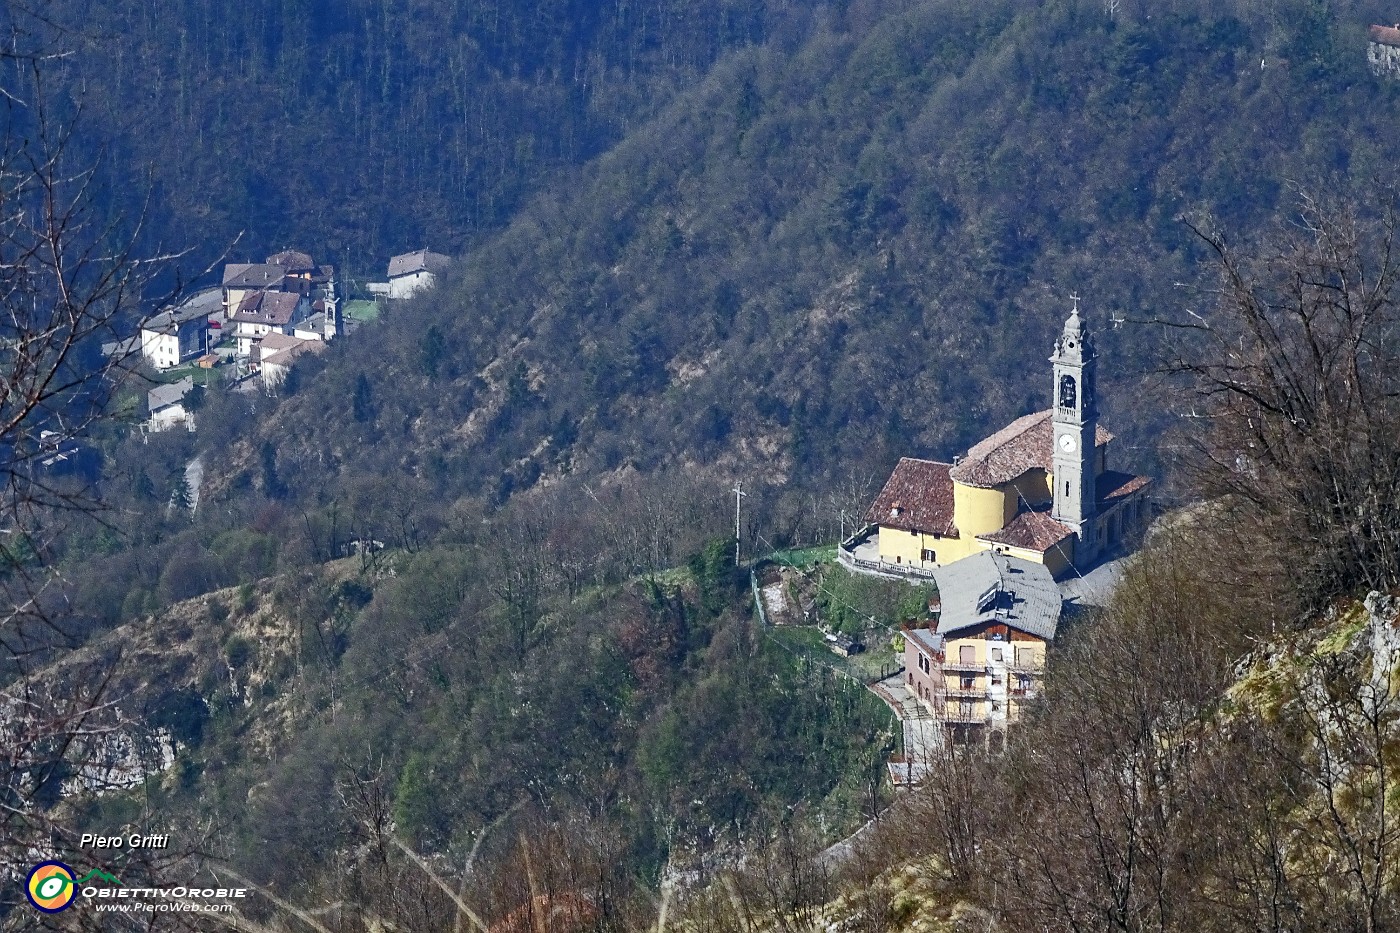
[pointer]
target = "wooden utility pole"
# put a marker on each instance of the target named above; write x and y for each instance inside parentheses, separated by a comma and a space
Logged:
(739, 494)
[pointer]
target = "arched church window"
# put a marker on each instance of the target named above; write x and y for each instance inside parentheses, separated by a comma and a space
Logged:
(1067, 392)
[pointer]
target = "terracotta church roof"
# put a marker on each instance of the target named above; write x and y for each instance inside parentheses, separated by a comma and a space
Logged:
(1034, 531)
(1024, 444)
(917, 497)
(1112, 487)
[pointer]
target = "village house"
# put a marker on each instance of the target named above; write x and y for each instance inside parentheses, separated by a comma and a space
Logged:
(1383, 50)
(274, 355)
(295, 264)
(244, 278)
(325, 323)
(1039, 490)
(166, 404)
(180, 334)
(413, 271)
(265, 312)
(982, 660)
(288, 271)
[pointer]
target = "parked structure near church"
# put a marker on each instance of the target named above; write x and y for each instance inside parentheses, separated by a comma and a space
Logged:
(1039, 489)
(166, 405)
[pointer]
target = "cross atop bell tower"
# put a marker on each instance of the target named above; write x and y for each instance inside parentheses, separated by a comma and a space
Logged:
(1075, 419)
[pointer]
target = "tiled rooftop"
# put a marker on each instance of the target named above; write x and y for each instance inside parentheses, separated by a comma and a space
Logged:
(1112, 487)
(1024, 444)
(1034, 531)
(917, 497)
(1386, 35)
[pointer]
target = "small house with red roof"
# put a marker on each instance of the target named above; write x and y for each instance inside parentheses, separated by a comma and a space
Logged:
(1383, 50)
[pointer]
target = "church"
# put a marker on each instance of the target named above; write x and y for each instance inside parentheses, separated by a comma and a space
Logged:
(1040, 489)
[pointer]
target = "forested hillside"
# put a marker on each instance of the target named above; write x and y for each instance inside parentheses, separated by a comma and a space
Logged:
(360, 129)
(858, 246)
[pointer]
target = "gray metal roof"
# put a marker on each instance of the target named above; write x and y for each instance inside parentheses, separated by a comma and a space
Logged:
(991, 588)
(931, 642)
(253, 275)
(208, 301)
(418, 261)
(122, 347)
(193, 310)
(169, 394)
(316, 323)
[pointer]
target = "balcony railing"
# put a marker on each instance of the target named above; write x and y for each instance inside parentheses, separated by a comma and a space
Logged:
(845, 555)
(961, 717)
(961, 666)
(969, 693)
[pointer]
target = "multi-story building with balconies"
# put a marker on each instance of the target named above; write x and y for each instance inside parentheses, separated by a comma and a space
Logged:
(981, 662)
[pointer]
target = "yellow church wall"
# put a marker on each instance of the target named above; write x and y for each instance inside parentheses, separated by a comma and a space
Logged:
(1056, 560)
(954, 549)
(901, 546)
(1033, 486)
(981, 511)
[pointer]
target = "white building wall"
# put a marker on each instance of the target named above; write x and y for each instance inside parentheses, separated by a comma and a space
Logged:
(1384, 59)
(161, 350)
(404, 286)
(171, 416)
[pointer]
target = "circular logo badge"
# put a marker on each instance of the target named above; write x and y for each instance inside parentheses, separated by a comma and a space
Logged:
(50, 887)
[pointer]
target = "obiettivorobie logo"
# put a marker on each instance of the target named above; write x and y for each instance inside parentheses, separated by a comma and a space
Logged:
(51, 886)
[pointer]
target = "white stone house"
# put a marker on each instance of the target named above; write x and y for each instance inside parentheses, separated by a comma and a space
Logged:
(180, 334)
(166, 404)
(275, 363)
(325, 322)
(413, 271)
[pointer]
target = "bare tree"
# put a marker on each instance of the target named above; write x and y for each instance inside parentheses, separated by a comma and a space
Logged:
(1296, 398)
(68, 278)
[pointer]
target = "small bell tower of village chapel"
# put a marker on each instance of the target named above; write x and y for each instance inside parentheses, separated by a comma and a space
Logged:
(1075, 419)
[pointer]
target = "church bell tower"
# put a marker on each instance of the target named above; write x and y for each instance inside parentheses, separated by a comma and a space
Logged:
(1075, 422)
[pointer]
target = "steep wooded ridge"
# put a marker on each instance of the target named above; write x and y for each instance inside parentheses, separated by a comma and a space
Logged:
(361, 129)
(856, 246)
